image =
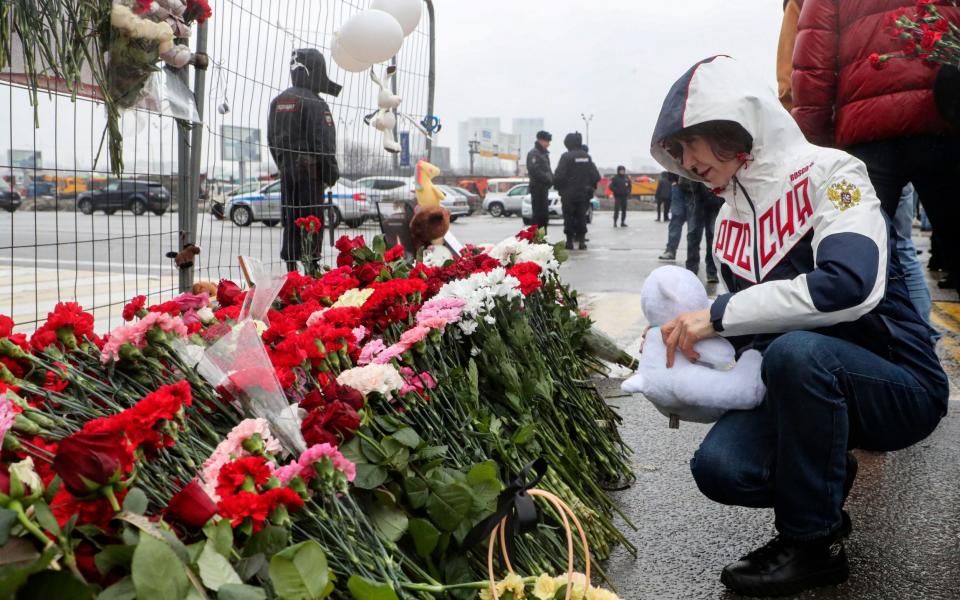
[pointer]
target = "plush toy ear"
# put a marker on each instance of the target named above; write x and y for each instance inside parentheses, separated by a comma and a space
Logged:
(633, 384)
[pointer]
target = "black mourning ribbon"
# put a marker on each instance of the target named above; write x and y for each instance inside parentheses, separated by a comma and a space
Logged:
(516, 505)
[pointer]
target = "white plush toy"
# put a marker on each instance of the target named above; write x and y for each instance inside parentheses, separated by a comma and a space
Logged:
(384, 120)
(700, 391)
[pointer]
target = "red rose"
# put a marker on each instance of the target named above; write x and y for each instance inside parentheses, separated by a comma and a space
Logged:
(227, 293)
(941, 25)
(349, 396)
(340, 417)
(86, 461)
(367, 272)
(191, 507)
(314, 432)
(313, 400)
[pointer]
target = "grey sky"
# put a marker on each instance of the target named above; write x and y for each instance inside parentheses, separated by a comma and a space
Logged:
(504, 58)
(613, 58)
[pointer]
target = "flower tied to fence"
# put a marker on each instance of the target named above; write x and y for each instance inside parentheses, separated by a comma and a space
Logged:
(514, 505)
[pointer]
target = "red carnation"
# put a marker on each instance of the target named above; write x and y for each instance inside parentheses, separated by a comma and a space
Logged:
(228, 293)
(529, 234)
(6, 326)
(340, 417)
(197, 10)
(876, 61)
(134, 307)
(310, 223)
(86, 461)
(367, 272)
(393, 253)
(92, 511)
(244, 505)
(191, 507)
(68, 324)
(930, 39)
(242, 475)
(528, 273)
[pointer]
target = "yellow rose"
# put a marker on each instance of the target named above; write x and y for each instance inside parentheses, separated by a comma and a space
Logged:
(545, 587)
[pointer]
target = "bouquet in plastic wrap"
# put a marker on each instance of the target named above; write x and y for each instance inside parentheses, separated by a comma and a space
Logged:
(237, 364)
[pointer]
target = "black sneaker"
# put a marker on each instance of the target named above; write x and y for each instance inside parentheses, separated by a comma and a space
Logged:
(667, 255)
(782, 567)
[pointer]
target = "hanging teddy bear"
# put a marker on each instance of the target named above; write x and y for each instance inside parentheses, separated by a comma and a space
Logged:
(698, 391)
(384, 120)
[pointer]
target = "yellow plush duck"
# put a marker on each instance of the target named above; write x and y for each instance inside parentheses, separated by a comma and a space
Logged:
(428, 196)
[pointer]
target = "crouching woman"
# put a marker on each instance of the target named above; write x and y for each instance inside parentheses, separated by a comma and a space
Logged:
(813, 283)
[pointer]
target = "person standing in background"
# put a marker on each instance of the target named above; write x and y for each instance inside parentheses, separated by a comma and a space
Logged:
(620, 186)
(703, 208)
(541, 179)
(576, 179)
(678, 217)
(893, 120)
(303, 143)
(788, 38)
(663, 193)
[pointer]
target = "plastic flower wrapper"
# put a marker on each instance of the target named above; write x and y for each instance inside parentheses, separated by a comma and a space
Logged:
(267, 283)
(238, 365)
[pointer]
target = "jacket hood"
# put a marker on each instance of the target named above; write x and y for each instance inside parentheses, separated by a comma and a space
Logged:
(573, 140)
(308, 69)
(720, 89)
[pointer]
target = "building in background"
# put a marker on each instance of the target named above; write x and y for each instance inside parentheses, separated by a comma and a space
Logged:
(441, 158)
(471, 129)
(526, 129)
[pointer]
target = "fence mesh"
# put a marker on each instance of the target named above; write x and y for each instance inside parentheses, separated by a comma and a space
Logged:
(250, 50)
(74, 235)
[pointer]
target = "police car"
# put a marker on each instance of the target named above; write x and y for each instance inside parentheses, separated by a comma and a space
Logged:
(555, 209)
(350, 205)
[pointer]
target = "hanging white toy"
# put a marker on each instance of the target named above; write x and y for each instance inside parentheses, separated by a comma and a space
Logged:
(384, 120)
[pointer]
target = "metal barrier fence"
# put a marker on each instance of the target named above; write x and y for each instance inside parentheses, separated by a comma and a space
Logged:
(75, 237)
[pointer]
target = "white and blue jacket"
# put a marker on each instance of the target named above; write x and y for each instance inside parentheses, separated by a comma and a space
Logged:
(802, 241)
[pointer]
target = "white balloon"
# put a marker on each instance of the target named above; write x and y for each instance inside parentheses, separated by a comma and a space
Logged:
(406, 12)
(372, 36)
(344, 60)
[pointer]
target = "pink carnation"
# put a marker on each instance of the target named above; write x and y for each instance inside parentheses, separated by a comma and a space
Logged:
(370, 352)
(7, 415)
(390, 353)
(448, 309)
(317, 453)
(287, 472)
(413, 335)
(433, 322)
(360, 333)
(416, 382)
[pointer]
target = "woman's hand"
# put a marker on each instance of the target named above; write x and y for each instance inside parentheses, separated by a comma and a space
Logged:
(685, 331)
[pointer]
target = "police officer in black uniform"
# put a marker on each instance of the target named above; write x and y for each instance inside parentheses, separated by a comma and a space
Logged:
(576, 179)
(303, 142)
(541, 179)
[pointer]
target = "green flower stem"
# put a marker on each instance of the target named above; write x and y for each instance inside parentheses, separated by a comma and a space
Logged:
(107, 492)
(29, 525)
(440, 588)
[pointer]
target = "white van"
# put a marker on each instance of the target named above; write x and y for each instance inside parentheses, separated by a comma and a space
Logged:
(502, 199)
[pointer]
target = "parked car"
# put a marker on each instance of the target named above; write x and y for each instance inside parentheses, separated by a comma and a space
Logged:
(220, 200)
(350, 205)
(505, 203)
(390, 187)
(126, 194)
(474, 201)
(555, 210)
(454, 202)
(9, 198)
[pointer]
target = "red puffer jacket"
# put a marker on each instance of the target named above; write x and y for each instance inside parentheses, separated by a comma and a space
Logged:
(839, 98)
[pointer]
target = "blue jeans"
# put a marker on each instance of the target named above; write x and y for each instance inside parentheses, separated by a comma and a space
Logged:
(678, 216)
(907, 253)
(824, 396)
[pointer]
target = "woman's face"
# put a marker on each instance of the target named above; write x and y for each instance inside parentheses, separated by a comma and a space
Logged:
(699, 158)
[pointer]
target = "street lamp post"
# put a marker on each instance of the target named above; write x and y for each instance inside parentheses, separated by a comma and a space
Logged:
(474, 149)
(586, 122)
